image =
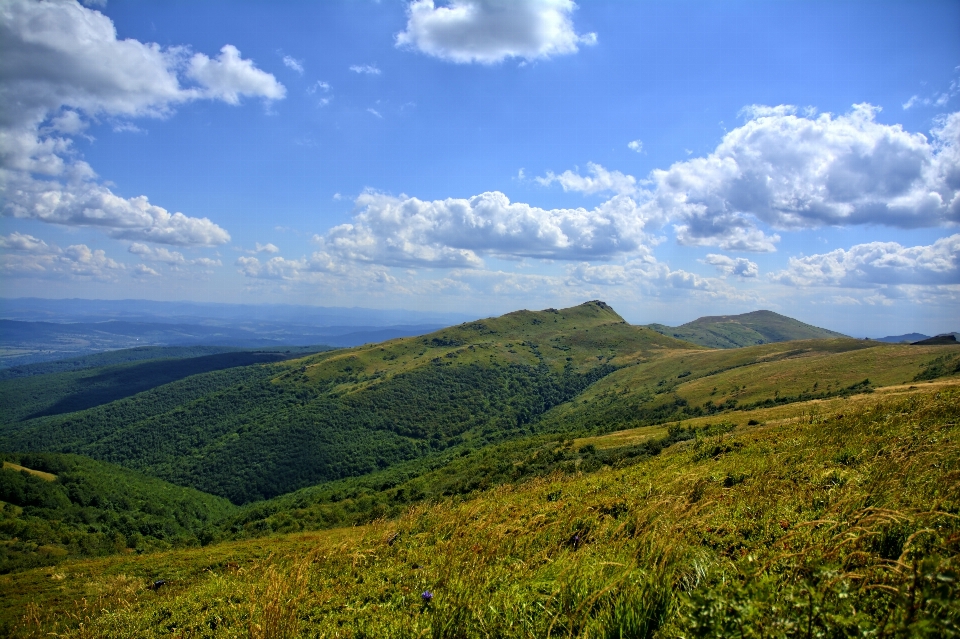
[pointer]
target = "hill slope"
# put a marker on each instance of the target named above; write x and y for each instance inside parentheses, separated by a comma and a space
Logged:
(734, 331)
(834, 518)
(53, 507)
(262, 431)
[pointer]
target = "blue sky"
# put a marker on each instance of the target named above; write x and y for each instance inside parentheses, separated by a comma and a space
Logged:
(675, 159)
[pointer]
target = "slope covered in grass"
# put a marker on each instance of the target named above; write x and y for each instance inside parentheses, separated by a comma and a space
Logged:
(262, 431)
(837, 517)
(734, 331)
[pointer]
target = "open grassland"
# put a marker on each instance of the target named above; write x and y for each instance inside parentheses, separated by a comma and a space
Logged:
(36, 473)
(833, 517)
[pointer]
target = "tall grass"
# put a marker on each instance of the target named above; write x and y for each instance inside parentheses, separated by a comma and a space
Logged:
(825, 524)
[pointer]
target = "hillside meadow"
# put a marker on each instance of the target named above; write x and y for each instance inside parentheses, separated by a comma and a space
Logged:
(827, 517)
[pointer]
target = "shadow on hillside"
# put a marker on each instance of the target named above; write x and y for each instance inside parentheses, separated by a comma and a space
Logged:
(118, 383)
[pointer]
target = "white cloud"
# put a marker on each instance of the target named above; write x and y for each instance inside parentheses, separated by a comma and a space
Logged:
(937, 98)
(228, 77)
(293, 63)
(795, 172)
(375, 112)
(267, 248)
(601, 181)
(86, 203)
(458, 232)
(319, 86)
(31, 257)
(142, 270)
(878, 264)
(157, 254)
(61, 64)
(739, 266)
(490, 31)
(276, 268)
(207, 262)
(646, 274)
(365, 69)
(635, 145)
(26, 243)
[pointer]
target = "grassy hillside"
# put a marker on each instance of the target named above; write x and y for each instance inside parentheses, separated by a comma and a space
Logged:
(830, 517)
(700, 394)
(53, 507)
(398, 411)
(734, 331)
(262, 431)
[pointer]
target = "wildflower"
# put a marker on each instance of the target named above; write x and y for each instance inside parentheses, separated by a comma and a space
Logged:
(427, 596)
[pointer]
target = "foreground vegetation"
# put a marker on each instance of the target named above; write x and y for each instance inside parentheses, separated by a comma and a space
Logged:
(836, 517)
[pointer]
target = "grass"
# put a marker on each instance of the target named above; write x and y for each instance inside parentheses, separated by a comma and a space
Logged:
(836, 517)
(36, 473)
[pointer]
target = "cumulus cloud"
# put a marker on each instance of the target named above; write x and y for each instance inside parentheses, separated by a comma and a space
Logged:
(157, 254)
(275, 268)
(794, 172)
(490, 31)
(878, 264)
(645, 273)
(27, 256)
(600, 180)
(406, 231)
(25, 243)
(635, 145)
(142, 270)
(228, 77)
(365, 69)
(87, 203)
(741, 267)
(61, 64)
(267, 248)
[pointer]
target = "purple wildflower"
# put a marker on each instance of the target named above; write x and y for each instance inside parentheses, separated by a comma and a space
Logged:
(427, 596)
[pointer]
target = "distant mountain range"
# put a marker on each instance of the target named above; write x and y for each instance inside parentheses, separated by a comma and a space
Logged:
(910, 338)
(39, 330)
(735, 331)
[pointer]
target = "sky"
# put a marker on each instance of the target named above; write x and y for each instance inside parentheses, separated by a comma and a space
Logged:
(672, 158)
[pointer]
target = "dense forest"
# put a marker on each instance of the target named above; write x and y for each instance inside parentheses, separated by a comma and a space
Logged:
(59, 506)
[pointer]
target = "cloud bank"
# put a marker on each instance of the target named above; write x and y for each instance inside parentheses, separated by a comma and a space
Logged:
(61, 65)
(877, 264)
(406, 231)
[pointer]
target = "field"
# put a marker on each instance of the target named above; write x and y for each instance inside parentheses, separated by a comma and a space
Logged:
(835, 517)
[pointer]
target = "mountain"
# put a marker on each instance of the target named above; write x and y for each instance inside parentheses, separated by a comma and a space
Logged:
(262, 430)
(735, 331)
(948, 339)
(900, 339)
(259, 431)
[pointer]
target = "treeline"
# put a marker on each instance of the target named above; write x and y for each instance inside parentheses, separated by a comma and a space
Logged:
(90, 508)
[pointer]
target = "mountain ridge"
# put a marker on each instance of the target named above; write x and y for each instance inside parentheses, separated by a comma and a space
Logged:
(735, 331)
